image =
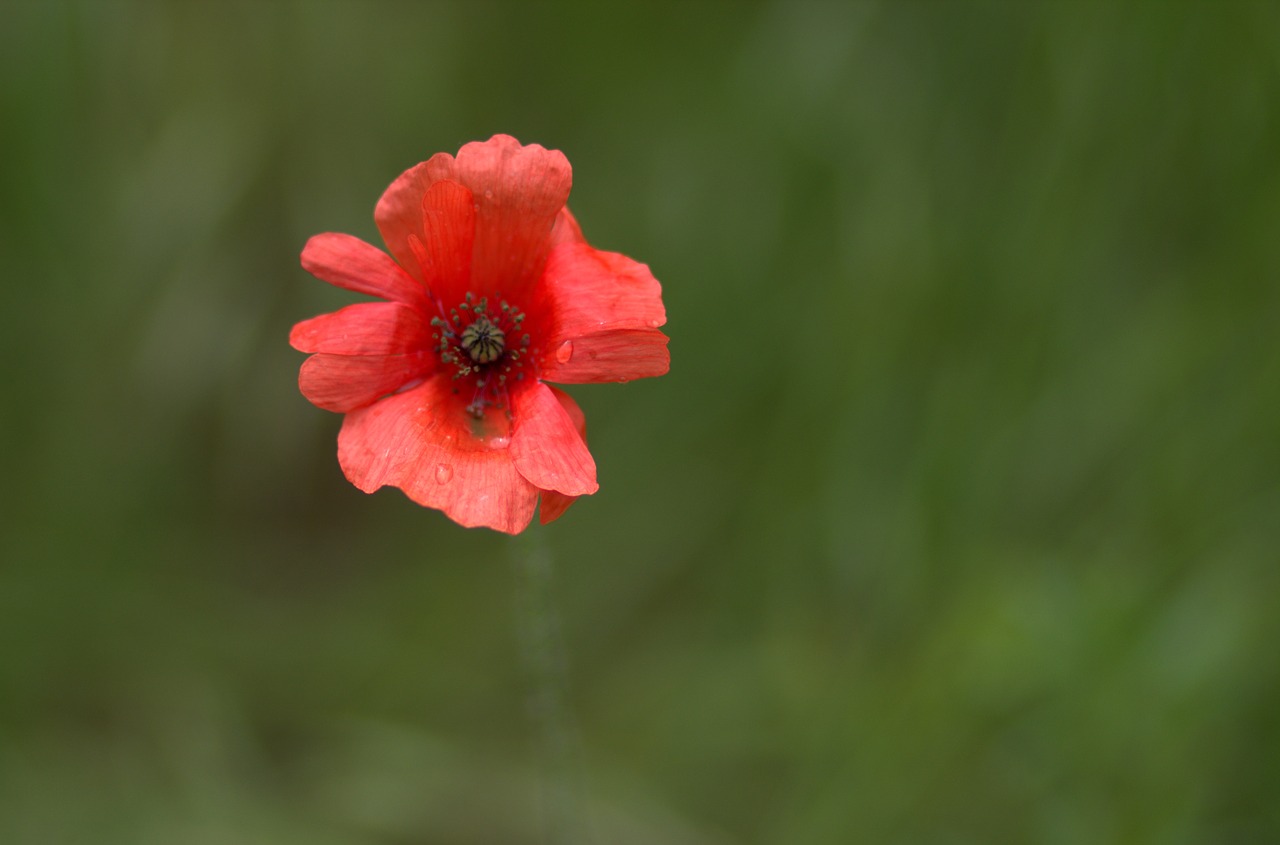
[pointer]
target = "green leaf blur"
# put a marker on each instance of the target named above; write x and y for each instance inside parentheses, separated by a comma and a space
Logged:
(956, 520)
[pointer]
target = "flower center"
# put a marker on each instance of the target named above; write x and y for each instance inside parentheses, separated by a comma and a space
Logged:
(483, 341)
(474, 342)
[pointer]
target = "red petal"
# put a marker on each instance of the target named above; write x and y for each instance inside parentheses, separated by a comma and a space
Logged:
(546, 445)
(608, 356)
(343, 383)
(519, 192)
(422, 441)
(571, 408)
(350, 263)
(566, 229)
(604, 310)
(553, 505)
(589, 290)
(367, 328)
(399, 211)
(449, 230)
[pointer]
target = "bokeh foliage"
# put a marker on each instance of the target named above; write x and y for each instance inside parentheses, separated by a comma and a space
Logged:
(955, 521)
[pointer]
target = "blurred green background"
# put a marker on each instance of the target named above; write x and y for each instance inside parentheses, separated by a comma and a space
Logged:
(956, 520)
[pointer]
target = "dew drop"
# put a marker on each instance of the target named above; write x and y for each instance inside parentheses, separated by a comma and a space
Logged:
(444, 473)
(499, 442)
(565, 352)
(488, 195)
(653, 324)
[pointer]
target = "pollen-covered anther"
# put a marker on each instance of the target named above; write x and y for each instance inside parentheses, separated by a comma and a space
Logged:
(483, 341)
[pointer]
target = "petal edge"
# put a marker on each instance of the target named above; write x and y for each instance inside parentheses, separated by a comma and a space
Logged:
(366, 328)
(611, 356)
(412, 441)
(546, 445)
(345, 383)
(348, 262)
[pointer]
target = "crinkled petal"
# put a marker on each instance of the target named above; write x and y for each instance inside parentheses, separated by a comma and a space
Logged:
(399, 212)
(588, 290)
(423, 442)
(449, 230)
(608, 357)
(350, 263)
(552, 504)
(367, 328)
(519, 192)
(603, 312)
(546, 445)
(343, 383)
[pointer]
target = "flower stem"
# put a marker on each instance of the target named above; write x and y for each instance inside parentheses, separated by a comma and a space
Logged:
(546, 665)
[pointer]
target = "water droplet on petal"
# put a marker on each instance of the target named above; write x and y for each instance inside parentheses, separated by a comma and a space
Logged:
(499, 442)
(653, 324)
(488, 195)
(565, 352)
(444, 473)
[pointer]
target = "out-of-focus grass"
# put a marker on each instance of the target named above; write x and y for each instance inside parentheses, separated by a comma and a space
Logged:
(955, 521)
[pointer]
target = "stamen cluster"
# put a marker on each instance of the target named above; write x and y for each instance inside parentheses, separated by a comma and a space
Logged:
(478, 344)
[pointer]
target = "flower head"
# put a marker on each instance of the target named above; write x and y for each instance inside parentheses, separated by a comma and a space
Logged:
(490, 292)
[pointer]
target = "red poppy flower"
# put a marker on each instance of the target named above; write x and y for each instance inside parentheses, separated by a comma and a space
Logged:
(489, 293)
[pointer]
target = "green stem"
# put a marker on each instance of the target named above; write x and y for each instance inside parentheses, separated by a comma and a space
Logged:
(546, 664)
